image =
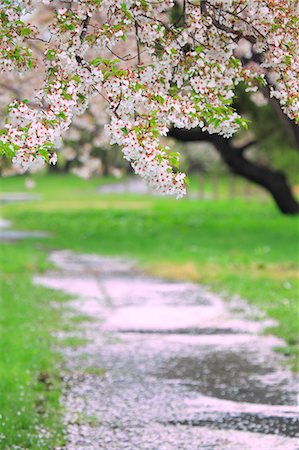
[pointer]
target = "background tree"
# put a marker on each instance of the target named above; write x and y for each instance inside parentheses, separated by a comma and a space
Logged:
(269, 136)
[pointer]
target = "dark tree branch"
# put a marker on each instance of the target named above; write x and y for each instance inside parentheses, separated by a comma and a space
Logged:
(242, 148)
(85, 24)
(137, 42)
(221, 26)
(275, 182)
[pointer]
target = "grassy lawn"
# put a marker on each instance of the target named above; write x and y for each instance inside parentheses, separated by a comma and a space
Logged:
(242, 247)
(29, 377)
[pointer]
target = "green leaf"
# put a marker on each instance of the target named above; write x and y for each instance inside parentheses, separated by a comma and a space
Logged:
(235, 62)
(50, 54)
(7, 149)
(43, 152)
(25, 31)
(160, 99)
(199, 49)
(96, 61)
(67, 96)
(62, 115)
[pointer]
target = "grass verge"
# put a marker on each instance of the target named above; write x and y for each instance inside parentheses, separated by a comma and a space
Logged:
(29, 379)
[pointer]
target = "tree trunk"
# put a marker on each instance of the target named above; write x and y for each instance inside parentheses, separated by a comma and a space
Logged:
(275, 182)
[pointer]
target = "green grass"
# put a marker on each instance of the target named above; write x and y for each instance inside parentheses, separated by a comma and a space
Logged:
(235, 247)
(29, 378)
(97, 371)
(73, 341)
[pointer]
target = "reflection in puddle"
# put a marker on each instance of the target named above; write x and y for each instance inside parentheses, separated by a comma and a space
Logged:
(230, 375)
(284, 426)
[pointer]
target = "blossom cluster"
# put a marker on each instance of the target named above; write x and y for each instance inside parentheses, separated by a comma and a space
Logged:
(154, 65)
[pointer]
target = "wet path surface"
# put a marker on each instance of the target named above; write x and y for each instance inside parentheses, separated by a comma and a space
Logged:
(6, 233)
(167, 366)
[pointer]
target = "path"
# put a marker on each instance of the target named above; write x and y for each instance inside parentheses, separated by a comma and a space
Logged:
(6, 233)
(167, 366)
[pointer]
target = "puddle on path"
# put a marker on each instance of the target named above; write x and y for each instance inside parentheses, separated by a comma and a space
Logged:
(12, 197)
(181, 370)
(8, 235)
(15, 235)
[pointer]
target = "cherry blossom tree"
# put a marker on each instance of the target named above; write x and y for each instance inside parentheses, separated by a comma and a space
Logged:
(156, 65)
